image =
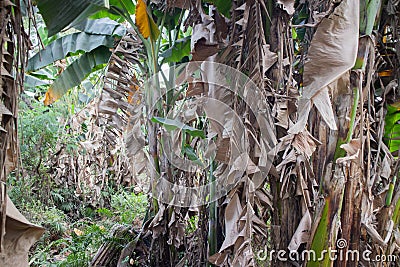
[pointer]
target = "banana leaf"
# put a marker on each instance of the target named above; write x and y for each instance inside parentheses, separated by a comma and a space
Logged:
(61, 14)
(171, 125)
(103, 26)
(63, 46)
(75, 73)
(178, 51)
(32, 81)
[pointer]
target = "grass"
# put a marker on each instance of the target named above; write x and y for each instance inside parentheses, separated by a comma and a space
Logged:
(71, 242)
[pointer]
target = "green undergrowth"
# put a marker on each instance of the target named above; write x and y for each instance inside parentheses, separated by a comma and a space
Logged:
(71, 242)
(75, 228)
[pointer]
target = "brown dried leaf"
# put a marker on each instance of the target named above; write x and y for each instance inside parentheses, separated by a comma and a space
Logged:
(288, 5)
(233, 212)
(332, 52)
(304, 143)
(203, 41)
(269, 57)
(183, 4)
(352, 150)
(302, 234)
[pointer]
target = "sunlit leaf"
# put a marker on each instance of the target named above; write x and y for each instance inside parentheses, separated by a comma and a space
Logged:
(78, 232)
(392, 127)
(145, 23)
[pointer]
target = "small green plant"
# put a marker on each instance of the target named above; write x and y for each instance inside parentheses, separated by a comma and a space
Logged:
(192, 224)
(105, 213)
(56, 224)
(129, 207)
(82, 244)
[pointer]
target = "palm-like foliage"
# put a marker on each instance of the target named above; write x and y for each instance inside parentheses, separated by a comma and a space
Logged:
(328, 81)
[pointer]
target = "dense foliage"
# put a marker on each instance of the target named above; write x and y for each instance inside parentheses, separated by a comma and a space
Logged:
(95, 125)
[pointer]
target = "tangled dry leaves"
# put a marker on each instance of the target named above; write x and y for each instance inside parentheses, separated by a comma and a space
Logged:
(299, 202)
(110, 147)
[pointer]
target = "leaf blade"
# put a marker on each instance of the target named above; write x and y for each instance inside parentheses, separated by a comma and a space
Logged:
(171, 125)
(61, 47)
(145, 23)
(75, 73)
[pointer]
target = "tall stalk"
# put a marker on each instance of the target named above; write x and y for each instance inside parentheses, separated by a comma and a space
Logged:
(212, 218)
(348, 211)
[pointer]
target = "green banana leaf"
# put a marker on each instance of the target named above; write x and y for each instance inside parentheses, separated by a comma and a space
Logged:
(63, 46)
(392, 128)
(75, 73)
(178, 51)
(103, 26)
(32, 81)
(171, 125)
(61, 14)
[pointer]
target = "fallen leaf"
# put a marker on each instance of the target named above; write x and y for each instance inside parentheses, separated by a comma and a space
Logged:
(78, 232)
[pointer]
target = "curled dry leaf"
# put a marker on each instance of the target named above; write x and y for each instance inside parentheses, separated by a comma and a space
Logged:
(269, 57)
(288, 5)
(302, 234)
(352, 150)
(304, 143)
(204, 40)
(332, 52)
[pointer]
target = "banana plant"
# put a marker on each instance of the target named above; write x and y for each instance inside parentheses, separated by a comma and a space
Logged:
(85, 47)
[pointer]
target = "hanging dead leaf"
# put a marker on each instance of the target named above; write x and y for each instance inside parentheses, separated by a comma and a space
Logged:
(183, 4)
(203, 41)
(51, 96)
(145, 23)
(288, 5)
(305, 143)
(332, 53)
(269, 58)
(352, 150)
(302, 233)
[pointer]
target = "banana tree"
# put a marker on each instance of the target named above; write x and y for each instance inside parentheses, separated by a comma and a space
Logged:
(325, 69)
(78, 54)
